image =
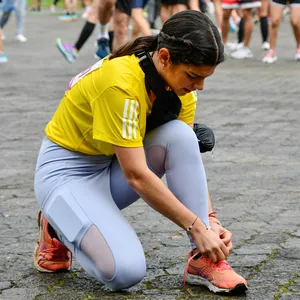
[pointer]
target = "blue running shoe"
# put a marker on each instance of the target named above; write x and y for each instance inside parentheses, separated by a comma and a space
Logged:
(103, 48)
(3, 58)
(65, 18)
(67, 50)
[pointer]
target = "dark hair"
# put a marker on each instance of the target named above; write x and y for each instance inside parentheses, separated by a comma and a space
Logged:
(190, 36)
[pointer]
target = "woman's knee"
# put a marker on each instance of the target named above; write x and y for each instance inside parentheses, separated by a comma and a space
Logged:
(177, 132)
(295, 22)
(129, 271)
(119, 268)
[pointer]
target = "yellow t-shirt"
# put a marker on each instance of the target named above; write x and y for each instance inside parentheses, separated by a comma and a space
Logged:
(107, 105)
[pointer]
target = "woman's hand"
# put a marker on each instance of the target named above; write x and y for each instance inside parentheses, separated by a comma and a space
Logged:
(210, 244)
(224, 234)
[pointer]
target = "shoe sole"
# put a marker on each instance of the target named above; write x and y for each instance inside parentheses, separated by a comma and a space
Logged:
(197, 280)
(60, 48)
(246, 57)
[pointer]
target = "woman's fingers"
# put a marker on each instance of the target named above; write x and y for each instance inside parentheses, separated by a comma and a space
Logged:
(226, 236)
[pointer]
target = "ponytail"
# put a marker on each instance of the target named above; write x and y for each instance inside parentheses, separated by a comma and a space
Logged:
(146, 43)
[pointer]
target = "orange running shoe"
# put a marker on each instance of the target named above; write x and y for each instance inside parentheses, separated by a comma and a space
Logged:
(50, 255)
(217, 277)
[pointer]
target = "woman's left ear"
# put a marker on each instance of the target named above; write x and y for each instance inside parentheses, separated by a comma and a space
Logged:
(164, 56)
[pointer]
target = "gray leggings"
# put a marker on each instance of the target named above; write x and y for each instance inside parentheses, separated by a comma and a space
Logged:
(82, 197)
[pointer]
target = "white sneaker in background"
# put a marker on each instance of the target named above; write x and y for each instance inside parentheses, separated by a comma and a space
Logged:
(21, 38)
(53, 8)
(265, 46)
(297, 55)
(242, 53)
(233, 46)
(86, 12)
(270, 57)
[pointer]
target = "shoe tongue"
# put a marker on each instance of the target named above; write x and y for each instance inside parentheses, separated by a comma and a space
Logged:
(57, 244)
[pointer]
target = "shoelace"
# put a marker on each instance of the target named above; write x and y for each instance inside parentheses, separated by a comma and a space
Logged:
(221, 266)
(58, 253)
(186, 268)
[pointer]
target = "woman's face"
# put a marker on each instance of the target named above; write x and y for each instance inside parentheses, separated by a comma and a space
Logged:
(181, 78)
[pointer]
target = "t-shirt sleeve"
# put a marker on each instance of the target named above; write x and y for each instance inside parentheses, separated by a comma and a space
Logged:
(188, 109)
(116, 115)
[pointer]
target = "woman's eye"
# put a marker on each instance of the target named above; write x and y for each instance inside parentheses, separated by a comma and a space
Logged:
(192, 77)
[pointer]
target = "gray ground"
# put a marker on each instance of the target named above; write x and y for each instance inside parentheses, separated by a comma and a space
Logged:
(253, 175)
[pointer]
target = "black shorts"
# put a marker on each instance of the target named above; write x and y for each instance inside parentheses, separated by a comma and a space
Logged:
(286, 2)
(173, 2)
(124, 6)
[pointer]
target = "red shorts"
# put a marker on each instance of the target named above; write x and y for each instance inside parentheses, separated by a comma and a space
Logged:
(242, 4)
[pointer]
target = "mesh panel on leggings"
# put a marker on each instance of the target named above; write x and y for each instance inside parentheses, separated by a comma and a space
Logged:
(94, 245)
(156, 156)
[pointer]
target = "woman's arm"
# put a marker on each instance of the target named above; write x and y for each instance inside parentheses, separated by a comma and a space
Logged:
(157, 195)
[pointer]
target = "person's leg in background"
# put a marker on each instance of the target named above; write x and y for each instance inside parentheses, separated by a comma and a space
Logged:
(245, 52)
(70, 15)
(105, 37)
(194, 4)
(246, 6)
(225, 25)
(71, 51)
(53, 6)
(181, 5)
(140, 23)
(263, 12)
(20, 10)
(121, 18)
(295, 23)
(164, 12)
(276, 11)
(218, 13)
(3, 57)
(7, 8)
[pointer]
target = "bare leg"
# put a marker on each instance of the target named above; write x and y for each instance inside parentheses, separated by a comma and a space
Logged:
(164, 13)
(140, 23)
(106, 9)
(194, 5)
(276, 13)
(218, 12)
(121, 21)
(177, 8)
(248, 26)
(225, 24)
(295, 22)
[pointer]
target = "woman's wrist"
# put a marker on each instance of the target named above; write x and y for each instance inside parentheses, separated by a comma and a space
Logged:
(199, 227)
